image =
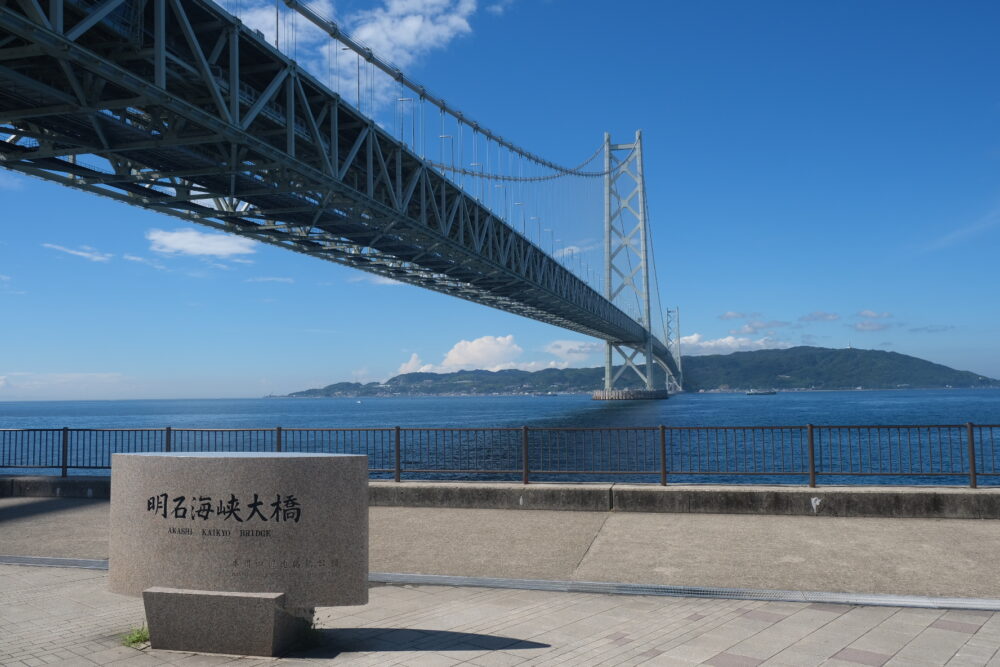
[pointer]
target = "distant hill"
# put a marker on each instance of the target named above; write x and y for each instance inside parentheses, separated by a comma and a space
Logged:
(822, 368)
(792, 368)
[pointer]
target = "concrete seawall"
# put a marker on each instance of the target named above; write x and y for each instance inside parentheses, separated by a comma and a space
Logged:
(837, 501)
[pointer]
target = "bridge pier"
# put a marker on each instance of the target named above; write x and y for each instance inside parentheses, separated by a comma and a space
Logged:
(631, 395)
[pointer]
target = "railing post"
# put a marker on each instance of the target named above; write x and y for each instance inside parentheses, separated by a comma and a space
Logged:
(277, 438)
(398, 468)
(972, 454)
(166, 438)
(524, 454)
(65, 451)
(812, 455)
(663, 455)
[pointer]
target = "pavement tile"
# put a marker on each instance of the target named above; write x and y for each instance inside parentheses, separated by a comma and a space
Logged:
(497, 659)
(692, 652)
(732, 660)
(666, 661)
(832, 608)
(887, 640)
(861, 657)
(792, 658)
(767, 616)
(429, 660)
(955, 626)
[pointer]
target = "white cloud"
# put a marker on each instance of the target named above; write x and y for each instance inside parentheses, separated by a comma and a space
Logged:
(397, 31)
(24, 385)
(811, 339)
(755, 326)
(697, 344)
(402, 31)
(193, 242)
(5, 287)
(10, 181)
(144, 260)
(567, 251)
(933, 328)
(819, 316)
(485, 352)
(84, 251)
(731, 315)
(573, 351)
(984, 224)
(259, 15)
(491, 353)
(413, 365)
(872, 315)
(270, 279)
(362, 375)
(373, 279)
(572, 250)
(498, 8)
(868, 325)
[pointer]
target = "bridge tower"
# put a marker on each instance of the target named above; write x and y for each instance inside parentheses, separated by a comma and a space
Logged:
(626, 275)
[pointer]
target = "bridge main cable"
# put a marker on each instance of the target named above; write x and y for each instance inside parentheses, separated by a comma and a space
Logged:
(333, 30)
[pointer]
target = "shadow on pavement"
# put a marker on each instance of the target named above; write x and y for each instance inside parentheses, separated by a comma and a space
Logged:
(43, 506)
(370, 640)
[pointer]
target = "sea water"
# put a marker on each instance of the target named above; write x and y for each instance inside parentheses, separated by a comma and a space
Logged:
(939, 406)
(501, 451)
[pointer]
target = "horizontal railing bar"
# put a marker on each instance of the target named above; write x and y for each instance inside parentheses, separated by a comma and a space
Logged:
(596, 472)
(898, 473)
(503, 428)
(462, 470)
(886, 426)
(767, 473)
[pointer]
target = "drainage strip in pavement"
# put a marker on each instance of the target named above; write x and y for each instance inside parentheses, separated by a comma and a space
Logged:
(609, 588)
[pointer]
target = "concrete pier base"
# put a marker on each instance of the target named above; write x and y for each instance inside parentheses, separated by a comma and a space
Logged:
(631, 395)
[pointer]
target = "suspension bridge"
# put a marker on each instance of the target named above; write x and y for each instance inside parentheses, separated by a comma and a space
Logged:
(179, 107)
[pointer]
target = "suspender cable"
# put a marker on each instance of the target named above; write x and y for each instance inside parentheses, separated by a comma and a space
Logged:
(334, 31)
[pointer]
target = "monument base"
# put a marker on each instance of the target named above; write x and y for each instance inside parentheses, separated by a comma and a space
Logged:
(631, 395)
(223, 622)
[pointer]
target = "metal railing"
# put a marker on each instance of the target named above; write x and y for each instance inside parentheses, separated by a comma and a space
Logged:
(929, 454)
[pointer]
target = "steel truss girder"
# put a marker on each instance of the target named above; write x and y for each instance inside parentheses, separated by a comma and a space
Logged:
(196, 116)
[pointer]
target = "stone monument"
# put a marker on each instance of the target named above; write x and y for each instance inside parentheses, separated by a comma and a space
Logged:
(231, 551)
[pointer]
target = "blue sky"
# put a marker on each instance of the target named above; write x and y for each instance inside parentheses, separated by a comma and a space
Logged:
(819, 173)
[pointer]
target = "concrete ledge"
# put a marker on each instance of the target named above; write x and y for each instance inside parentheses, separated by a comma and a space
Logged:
(497, 495)
(51, 486)
(843, 501)
(854, 501)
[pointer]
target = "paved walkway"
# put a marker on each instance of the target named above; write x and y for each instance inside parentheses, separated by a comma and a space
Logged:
(937, 557)
(67, 617)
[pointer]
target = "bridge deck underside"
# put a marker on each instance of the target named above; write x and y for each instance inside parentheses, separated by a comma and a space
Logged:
(175, 106)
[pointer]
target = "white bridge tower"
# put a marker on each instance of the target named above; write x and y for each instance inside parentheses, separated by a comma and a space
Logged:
(626, 277)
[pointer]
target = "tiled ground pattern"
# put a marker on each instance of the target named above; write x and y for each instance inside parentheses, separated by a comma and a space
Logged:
(66, 617)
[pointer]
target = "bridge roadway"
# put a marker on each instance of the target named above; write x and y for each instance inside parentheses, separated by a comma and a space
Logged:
(177, 107)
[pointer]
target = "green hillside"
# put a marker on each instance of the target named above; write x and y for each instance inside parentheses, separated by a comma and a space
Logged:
(822, 368)
(793, 368)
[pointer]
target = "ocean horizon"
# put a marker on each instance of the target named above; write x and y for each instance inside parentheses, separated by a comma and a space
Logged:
(786, 408)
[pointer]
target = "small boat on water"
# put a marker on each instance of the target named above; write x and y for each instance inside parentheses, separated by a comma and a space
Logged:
(761, 392)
